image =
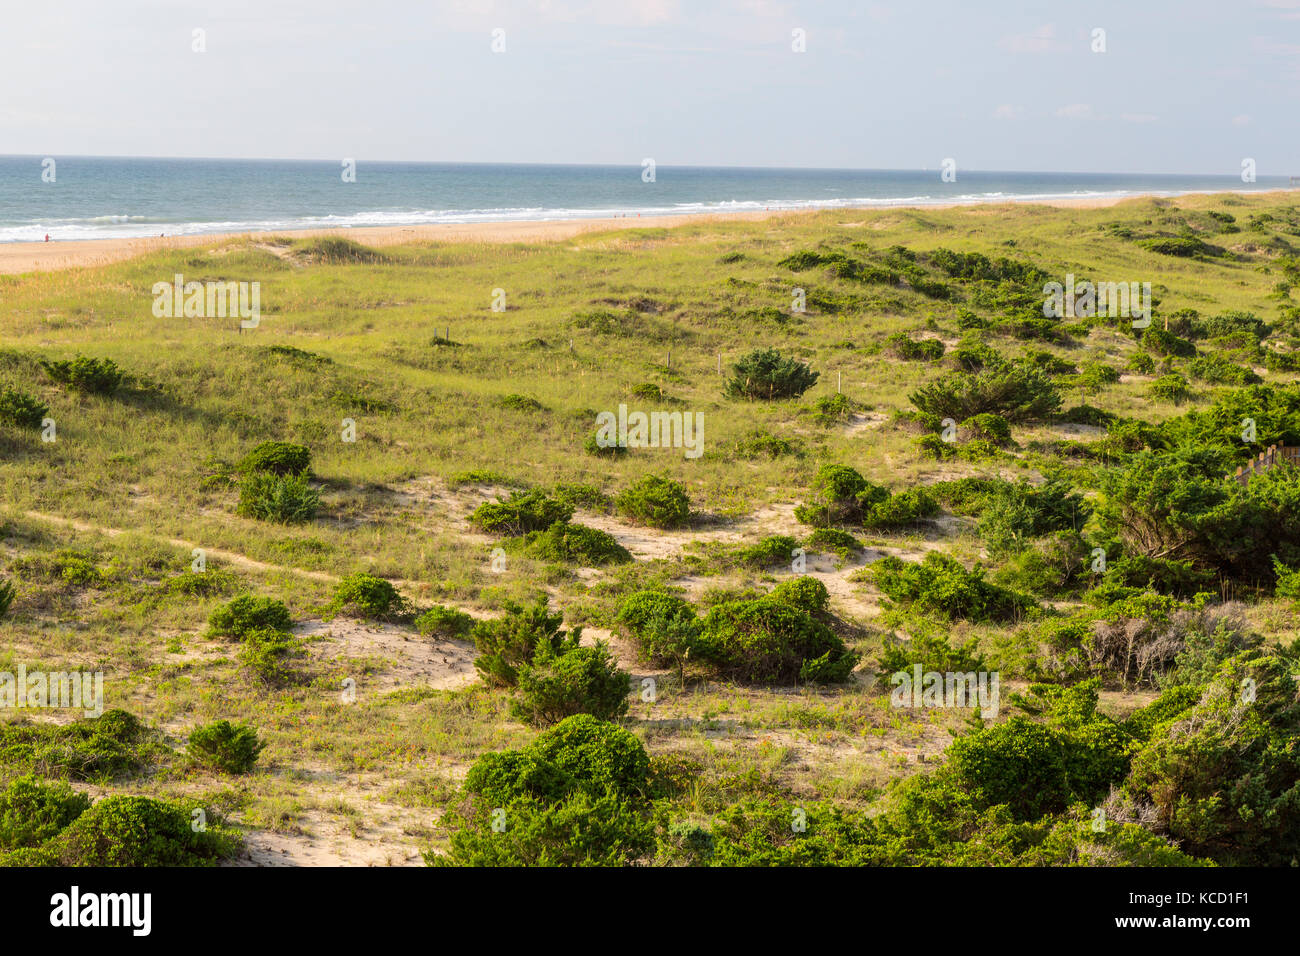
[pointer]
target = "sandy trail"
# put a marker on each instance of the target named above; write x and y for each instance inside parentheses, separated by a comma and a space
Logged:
(230, 557)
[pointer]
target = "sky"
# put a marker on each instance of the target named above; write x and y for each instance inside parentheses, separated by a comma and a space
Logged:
(1183, 86)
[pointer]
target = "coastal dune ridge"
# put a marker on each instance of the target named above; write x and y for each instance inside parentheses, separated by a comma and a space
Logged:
(20, 257)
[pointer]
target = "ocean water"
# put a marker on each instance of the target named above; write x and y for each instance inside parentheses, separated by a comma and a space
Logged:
(103, 197)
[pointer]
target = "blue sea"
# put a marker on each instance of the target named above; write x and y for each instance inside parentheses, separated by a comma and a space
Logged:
(107, 197)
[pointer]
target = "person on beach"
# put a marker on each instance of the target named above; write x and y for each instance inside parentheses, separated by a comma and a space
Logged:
(47, 237)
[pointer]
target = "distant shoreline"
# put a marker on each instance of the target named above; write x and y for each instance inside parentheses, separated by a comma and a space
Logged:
(23, 257)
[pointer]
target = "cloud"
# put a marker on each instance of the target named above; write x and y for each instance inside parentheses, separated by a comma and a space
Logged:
(1269, 46)
(1076, 111)
(1287, 9)
(1241, 119)
(1008, 112)
(1042, 40)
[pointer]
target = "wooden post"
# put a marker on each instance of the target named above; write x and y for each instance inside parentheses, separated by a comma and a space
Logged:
(838, 380)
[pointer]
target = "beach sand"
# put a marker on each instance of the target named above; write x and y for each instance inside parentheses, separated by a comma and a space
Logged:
(18, 257)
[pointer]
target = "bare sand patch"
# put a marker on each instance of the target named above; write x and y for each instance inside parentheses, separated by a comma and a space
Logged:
(410, 659)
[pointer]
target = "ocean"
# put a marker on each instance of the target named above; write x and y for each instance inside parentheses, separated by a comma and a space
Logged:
(107, 197)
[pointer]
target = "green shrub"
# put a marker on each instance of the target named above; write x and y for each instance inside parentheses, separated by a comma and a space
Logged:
(521, 403)
(580, 754)
(579, 830)
(277, 458)
(110, 746)
(901, 345)
(1171, 388)
(1142, 363)
(761, 444)
(1050, 566)
(1216, 370)
(1016, 392)
(1233, 322)
(7, 595)
(445, 622)
(990, 427)
(764, 374)
(283, 499)
(767, 641)
(932, 446)
(1087, 415)
(932, 652)
(141, 831)
(834, 409)
(520, 513)
(33, 811)
(940, 586)
(1222, 777)
(269, 654)
(582, 496)
(201, 584)
(1013, 513)
(834, 540)
(570, 680)
(246, 613)
(803, 592)
(839, 495)
(1166, 343)
(509, 642)
(567, 543)
(221, 745)
(901, 509)
(1183, 246)
(1288, 580)
(366, 596)
(773, 551)
(99, 376)
(664, 628)
(20, 409)
(656, 501)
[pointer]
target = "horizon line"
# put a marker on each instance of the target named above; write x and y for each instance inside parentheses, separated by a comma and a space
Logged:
(630, 165)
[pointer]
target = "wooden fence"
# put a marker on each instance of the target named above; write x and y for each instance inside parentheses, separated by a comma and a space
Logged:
(1273, 455)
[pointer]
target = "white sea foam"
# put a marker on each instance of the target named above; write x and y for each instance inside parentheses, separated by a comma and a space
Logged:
(129, 226)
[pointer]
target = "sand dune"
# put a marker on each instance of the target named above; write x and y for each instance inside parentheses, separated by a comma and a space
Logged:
(17, 257)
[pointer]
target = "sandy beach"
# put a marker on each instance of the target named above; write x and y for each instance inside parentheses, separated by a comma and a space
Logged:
(19, 257)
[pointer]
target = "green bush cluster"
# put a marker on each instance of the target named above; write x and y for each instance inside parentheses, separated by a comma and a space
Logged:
(840, 495)
(20, 409)
(110, 746)
(283, 499)
(522, 512)
(567, 543)
(246, 613)
(941, 587)
(766, 374)
(656, 501)
(45, 823)
(576, 796)
(445, 622)
(277, 458)
(368, 596)
(223, 746)
(97, 376)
